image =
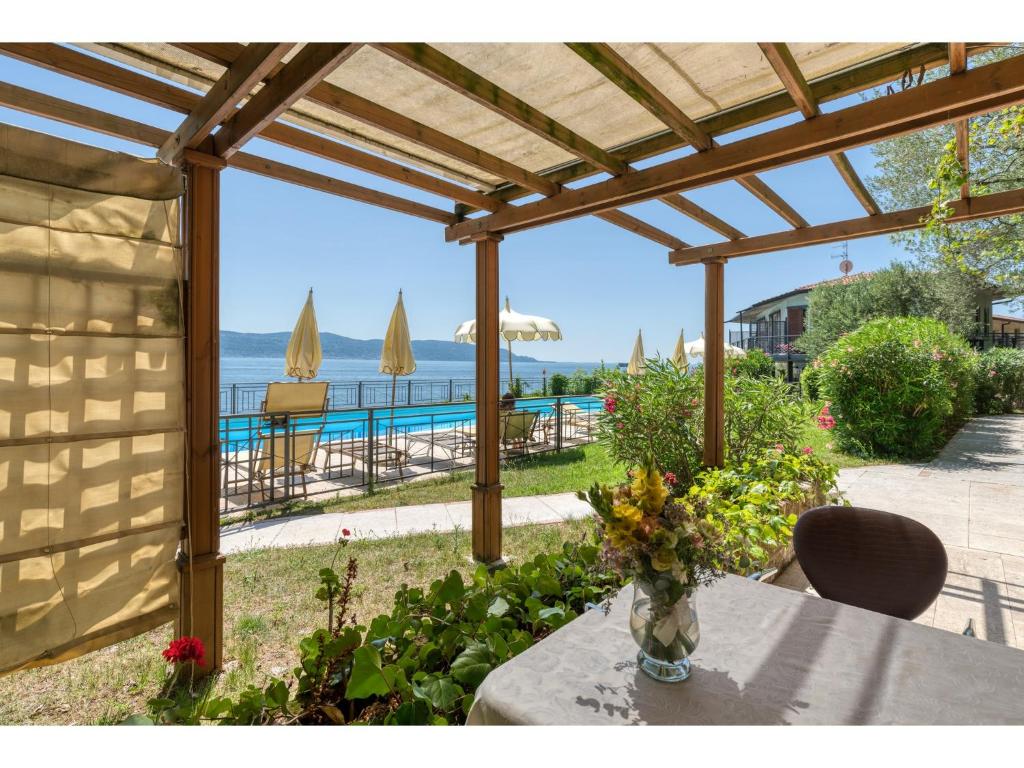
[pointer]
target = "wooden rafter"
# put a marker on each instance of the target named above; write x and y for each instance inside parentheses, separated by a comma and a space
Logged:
(986, 206)
(935, 103)
(788, 71)
(369, 112)
(833, 86)
(107, 75)
(452, 74)
(68, 112)
(639, 227)
(958, 65)
(224, 96)
(620, 72)
(310, 66)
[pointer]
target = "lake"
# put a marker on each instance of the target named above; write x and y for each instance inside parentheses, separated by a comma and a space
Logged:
(258, 370)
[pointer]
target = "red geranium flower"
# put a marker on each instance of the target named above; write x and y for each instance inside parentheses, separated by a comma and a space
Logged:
(346, 532)
(184, 650)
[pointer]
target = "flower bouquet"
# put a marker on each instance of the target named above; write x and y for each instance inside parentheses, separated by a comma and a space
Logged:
(669, 546)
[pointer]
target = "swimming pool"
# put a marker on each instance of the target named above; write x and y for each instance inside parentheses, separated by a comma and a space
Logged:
(354, 423)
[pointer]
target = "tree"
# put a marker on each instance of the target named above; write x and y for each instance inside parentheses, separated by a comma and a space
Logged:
(922, 169)
(899, 290)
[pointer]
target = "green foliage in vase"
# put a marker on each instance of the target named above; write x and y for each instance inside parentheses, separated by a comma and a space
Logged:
(661, 414)
(1000, 381)
(898, 386)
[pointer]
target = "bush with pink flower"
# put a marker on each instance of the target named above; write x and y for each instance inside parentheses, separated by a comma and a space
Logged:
(999, 385)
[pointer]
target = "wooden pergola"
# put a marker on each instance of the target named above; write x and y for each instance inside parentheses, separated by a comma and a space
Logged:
(487, 125)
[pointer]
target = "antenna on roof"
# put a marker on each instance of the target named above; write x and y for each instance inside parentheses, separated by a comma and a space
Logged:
(843, 252)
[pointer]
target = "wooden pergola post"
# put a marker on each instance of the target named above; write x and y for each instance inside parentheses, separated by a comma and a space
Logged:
(714, 362)
(486, 532)
(201, 612)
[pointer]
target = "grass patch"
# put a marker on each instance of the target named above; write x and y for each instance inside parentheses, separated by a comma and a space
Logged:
(568, 471)
(268, 607)
(825, 448)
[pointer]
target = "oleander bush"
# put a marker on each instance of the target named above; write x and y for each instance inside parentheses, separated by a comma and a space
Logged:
(999, 384)
(897, 387)
(661, 413)
(755, 363)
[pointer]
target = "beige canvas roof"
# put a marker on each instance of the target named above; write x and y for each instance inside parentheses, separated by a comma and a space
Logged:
(701, 78)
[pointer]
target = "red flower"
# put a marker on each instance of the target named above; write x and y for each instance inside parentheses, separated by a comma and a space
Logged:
(346, 532)
(780, 447)
(808, 450)
(670, 478)
(609, 404)
(184, 650)
(620, 425)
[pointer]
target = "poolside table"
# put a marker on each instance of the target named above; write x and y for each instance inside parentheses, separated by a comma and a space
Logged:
(767, 655)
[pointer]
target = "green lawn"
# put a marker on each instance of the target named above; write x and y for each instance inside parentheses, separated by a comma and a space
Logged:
(821, 440)
(268, 607)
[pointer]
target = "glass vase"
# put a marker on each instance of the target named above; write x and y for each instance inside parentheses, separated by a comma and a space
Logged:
(666, 630)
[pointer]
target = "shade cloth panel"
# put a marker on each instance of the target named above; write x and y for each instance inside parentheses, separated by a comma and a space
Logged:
(91, 397)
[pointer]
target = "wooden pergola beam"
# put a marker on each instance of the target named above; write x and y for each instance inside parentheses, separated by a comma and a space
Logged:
(221, 100)
(53, 108)
(698, 214)
(639, 227)
(620, 72)
(945, 100)
(788, 72)
(983, 207)
(827, 88)
(296, 78)
(958, 65)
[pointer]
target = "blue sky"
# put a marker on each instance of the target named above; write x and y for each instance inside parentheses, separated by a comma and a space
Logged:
(600, 283)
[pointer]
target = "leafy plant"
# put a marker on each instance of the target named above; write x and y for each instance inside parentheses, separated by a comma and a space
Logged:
(898, 386)
(810, 381)
(583, 383)
(662, 414)
(559, 384)
(1000, 381)
(755, 364)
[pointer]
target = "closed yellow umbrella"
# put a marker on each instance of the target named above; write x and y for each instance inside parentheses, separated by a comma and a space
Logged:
(679, 356)
(396, 356)
(303, 357)
(637, 364)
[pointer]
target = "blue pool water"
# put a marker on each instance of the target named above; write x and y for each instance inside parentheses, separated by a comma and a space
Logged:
(352, 424)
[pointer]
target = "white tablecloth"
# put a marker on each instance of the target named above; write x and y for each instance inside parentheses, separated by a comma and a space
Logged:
(767, 655)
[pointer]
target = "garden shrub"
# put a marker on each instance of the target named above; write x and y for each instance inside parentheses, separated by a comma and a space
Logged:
(755, 363)
(661, 413)
(810, 381)
(559, 384)
(1000, 381)
(583, 383)
(898, 386)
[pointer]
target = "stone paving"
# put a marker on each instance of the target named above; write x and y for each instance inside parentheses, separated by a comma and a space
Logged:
(392, 521)
(972, 496)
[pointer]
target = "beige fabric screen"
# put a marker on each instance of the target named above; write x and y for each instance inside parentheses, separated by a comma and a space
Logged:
(91, 397)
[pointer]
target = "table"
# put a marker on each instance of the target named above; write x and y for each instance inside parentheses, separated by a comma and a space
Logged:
(767, 655)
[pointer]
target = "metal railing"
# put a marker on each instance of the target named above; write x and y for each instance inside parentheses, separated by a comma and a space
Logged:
(269, 458)
(988, 340)
(248, 397)
(769, 343)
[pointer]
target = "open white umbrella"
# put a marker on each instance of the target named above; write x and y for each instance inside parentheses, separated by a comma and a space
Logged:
(679, 356)
(696, 348)
(513, 326)
(637, 363)
(303, 357)
(396, 355)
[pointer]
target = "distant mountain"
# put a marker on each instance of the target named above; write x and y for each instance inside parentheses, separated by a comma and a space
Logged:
(235, 344)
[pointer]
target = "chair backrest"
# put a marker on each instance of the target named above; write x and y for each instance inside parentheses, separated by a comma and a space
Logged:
(517, 425)
(871, 559)
(295, 397)
(299, 447)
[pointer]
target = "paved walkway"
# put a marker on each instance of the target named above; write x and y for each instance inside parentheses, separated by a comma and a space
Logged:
(972, 496)
(392, 521)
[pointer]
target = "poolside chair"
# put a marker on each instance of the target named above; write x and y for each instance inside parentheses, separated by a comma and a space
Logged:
(515, 429)
(291, 424)
(871, 559)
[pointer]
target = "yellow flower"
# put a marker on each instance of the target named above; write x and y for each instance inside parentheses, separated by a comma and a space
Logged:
(620, 535)
(627, 514)
(649, 490)
(664, 559)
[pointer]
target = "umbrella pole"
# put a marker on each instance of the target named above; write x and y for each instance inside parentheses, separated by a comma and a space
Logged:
(509, 364)
(391, 429)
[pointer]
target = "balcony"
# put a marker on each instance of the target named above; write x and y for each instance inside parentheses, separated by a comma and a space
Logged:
(771, 337)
